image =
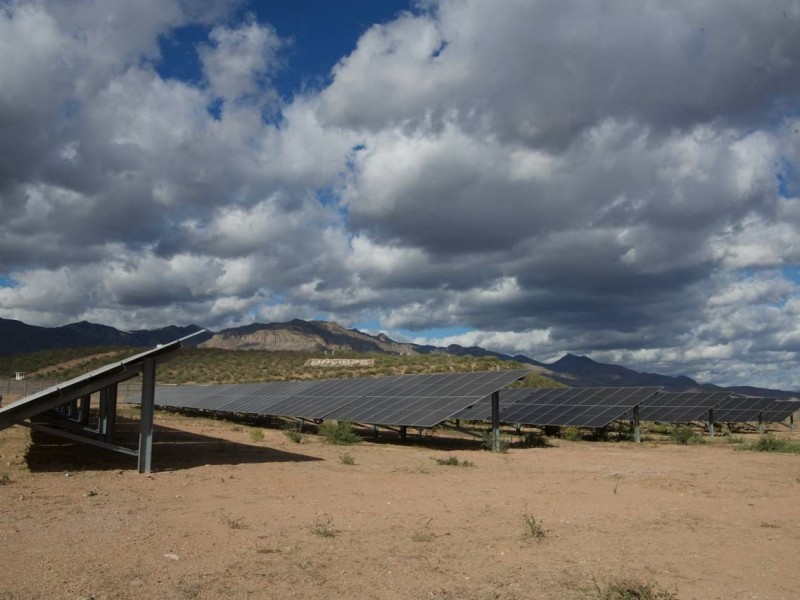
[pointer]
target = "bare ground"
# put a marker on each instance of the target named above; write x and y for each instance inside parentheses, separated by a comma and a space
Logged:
(226, 517)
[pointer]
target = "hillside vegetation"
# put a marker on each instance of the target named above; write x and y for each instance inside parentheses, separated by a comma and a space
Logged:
(212, 365)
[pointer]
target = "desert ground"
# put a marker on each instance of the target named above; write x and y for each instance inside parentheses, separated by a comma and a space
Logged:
(227, 516)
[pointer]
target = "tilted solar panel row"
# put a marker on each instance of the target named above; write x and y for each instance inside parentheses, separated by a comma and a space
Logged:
(400, 400)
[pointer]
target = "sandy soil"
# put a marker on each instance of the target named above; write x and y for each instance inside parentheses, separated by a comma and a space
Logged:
(225, 517)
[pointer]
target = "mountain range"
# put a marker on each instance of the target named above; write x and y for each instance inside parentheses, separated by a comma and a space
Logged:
(17, 337)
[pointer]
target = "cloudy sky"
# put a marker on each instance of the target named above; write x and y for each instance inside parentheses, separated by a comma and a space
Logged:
(619, 179)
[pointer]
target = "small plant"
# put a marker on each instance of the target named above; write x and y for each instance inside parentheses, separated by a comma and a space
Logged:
(452, 461)
(340, 433)
(423, 532)
(571, 433)
(769, 525)
(5, 479)
(324, 528)
(734, 439)
(233, 522)
(292, 431)
(347, 459)
(534, 439)
(487, 439)
(632, 589)
(256, 434)
(534, 530)
(773, 443)
(684, 435)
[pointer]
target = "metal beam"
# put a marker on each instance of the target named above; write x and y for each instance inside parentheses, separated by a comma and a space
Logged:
(637, 430)
(146, 415)
(496, 421)
(80, 438)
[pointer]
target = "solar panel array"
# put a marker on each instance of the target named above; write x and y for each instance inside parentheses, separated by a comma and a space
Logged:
(680, 407)
(779, 411)
(580, 407)
(422, 400)
(400, 400)
(741, 409)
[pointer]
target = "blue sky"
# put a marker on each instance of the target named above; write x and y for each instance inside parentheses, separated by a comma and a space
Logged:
(614, 181)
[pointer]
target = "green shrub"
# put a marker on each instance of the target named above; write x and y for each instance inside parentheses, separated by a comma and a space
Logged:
(683, 434)
(534, 439)
(292, 431)
(256, 434)
(773, 443)
(347, 459)
(632, 589)
(340, 433)
(571, 433)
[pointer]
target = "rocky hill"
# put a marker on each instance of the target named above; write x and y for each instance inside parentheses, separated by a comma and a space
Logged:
(328, 338)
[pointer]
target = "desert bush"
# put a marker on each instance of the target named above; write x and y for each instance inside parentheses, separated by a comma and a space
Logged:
(340, 433)
(774, 443)
(571, 433)
(324, 527)
(256, 434)
(683, 434)
(534, 439)
(292, 431)
(633, 589)
(452, 461)
(534, 529)
(347, 459)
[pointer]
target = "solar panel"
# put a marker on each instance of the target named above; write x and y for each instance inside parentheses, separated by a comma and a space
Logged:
(424, 400)
(581, 407)
(680, 407)
(482, 410)
(63, 392)
(779, 411)
(740, 409)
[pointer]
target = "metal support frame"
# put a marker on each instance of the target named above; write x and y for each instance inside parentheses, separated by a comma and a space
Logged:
(79, 438)
(496, 421)
(403, 433)
(791, 422)
(711, 422)
(146, 414)
(637, 429)
(107, 418)
(760, 424)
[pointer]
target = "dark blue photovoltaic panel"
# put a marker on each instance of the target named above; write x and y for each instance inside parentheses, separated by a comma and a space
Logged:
(424, 400)
(680, 407)
(580, 407)
(740, 409)
(482, 410)
(413, 400)
(779, 411)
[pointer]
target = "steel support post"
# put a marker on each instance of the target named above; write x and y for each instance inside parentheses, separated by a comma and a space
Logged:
(146, 416)
(791, 422)
(108, 412)
(403, 433)
(496, 421)
(375, 431)
(760, 424)
(637, 430)
(83, 410)
(711, 422)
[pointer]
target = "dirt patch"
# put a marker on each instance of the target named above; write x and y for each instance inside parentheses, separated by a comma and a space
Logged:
(225, 517)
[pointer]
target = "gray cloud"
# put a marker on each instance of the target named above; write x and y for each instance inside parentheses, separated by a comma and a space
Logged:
(620, 181)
